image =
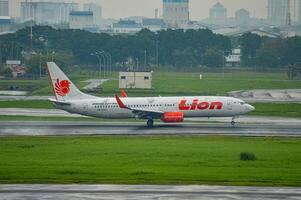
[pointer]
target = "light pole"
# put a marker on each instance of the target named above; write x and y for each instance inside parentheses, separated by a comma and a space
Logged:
(99, 61)
(223, 64)
(40, 65)
(145, 61)
(157, 53)
(102, 54)
(52, 55)
(137, 64)
(109, 62)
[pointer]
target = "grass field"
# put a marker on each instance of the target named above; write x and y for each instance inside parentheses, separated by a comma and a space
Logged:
(172, 83)
(150, 160)
(277, 110)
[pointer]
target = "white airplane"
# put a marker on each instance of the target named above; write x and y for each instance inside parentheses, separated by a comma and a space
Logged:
(168, 109)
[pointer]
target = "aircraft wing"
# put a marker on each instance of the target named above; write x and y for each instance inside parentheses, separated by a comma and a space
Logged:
(139, 112)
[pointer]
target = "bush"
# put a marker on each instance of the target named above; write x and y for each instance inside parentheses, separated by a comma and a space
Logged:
(246, 156)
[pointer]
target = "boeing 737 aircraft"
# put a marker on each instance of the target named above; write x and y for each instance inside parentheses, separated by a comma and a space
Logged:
(168, 109)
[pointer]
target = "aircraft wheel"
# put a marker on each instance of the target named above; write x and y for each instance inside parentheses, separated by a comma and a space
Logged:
(233, 123)
(150, 123)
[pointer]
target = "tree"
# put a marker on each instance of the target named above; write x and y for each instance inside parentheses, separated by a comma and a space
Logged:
(64, 60)
(250, 43)
(213, 58)
(185, 58)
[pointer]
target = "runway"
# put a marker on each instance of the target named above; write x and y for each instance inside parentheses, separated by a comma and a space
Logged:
(138, 128)
(150, 192)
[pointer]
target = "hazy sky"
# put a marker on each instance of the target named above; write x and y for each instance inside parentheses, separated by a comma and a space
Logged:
(199, 9)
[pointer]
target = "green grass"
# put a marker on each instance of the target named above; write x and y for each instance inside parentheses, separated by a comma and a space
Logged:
(172, 83)
(277, 110)
(41, 104)
(150, 160)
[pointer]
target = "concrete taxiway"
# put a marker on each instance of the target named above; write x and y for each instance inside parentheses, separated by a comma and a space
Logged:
(150, 192)
(139, 128)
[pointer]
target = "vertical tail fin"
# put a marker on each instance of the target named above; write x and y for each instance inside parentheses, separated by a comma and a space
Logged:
(63, 88)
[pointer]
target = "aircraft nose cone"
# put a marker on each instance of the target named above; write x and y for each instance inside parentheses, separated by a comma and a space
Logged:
(250, 108)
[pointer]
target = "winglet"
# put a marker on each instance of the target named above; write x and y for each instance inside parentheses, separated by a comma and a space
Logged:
(120, 103)
(123, 94)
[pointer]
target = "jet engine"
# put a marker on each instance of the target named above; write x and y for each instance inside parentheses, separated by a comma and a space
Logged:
(173, 117)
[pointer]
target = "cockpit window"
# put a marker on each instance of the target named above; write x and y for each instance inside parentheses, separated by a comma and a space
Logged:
(242, 103)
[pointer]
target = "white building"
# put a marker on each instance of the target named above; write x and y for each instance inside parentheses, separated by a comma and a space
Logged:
(233, 59)
(4, 8)
(47, 12)
(97, 12)
(81, 20)
(176, 13)
(141, 80)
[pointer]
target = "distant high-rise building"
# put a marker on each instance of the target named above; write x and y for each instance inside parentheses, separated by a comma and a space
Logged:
(277, 12)
(15, 8)
(47, 12)
(242, 15)
(4, 8)
(299, 12)
(218, 13)
(97, 12)
(176, 13)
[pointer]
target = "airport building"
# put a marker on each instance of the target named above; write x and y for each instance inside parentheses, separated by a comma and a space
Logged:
(176, 13)
(140, 80)
(81, 20)
(5, 24)
(4, 8)
(97, 12)
(127, 26)
(233, 59)
(47, 12)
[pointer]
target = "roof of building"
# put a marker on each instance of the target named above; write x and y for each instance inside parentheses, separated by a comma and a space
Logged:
(81, 13)
(152, 22)
(259, 32)
(127, 24)
(5, 20)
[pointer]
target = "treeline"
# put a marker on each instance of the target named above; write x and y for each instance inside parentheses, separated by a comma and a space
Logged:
(270, 52)
(177, 48)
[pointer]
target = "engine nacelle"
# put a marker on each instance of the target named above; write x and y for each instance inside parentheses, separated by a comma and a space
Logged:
(173, 117)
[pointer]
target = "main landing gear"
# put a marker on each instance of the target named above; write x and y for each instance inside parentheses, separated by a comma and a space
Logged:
(150, 123)
(233, 122)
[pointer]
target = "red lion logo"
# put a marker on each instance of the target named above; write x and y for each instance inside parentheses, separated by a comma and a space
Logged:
(62, 88)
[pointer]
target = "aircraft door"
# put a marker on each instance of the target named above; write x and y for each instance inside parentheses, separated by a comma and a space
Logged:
(85, 108)
(229, 105)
